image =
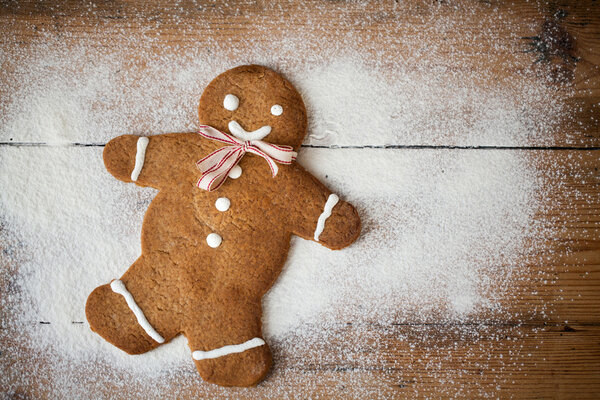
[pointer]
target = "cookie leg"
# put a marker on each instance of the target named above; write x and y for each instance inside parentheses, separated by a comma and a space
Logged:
(229, 350)
(128, 312)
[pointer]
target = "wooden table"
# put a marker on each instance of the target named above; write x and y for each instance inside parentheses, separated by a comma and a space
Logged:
(551, 354)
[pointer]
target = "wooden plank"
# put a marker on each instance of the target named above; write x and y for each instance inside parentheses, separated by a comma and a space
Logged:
(437, 359)
(480, 40)
(557, 278)
(376, 362)
(566, 270)
(543, 345)
(559, 281)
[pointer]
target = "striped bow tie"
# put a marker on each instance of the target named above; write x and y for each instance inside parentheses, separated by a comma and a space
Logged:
(216, 166)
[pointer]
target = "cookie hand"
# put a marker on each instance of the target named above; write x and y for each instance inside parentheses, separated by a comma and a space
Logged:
(339, 227)
(147, 161)
(317, 214)
(120, 156)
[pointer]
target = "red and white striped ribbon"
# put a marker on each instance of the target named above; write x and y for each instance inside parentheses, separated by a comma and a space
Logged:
(216, 166)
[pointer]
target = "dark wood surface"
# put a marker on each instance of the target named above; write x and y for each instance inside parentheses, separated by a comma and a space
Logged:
(548, 346)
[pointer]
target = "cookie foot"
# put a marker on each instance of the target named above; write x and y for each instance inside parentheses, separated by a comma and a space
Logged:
(244, 364)
(110, 316)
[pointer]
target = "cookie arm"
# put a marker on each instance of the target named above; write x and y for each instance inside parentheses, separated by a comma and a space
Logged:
(150, 161)
(319, 215)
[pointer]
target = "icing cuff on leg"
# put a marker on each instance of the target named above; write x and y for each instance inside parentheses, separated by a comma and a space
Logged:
(225, 350)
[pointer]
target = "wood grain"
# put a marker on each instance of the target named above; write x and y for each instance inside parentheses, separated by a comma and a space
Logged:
(496, 44)
(546, 344)
(404, 361)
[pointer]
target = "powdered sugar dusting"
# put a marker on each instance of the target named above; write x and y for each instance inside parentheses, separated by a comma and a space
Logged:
(446, 234)
(416, 106)
(442, 231)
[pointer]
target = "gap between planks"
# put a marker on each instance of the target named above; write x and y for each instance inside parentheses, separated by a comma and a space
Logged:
(567, 327)
(358, 147)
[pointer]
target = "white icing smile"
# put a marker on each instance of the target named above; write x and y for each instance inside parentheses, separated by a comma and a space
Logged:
(240, 133)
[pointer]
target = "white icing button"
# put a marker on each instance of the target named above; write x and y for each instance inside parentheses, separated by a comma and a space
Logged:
(222, 204)
(231, 102)
(276, 110)
(235, 172)
(214, 240)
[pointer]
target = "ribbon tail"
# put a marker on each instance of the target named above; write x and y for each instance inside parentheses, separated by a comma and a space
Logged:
(274, 168)
(215, 159)
(269, 160)
(222, 162)
(209, 182)
(213, 178)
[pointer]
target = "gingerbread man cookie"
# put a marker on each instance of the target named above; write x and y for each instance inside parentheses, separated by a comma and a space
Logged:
(217, 234)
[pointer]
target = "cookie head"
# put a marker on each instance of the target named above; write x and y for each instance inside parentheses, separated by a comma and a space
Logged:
(254, 103)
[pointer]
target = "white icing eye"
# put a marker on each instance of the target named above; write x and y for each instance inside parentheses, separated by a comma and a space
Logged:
(276, 110)
(231, 102)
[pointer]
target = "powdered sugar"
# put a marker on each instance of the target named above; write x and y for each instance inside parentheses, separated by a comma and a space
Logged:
(411, 107)
(446, 232)
(415, 107)
(443, 232)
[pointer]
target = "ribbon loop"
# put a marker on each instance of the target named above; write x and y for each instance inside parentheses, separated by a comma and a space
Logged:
(216, 166)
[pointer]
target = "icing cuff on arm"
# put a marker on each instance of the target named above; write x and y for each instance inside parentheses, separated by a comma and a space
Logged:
(140, 155)
(332, 200)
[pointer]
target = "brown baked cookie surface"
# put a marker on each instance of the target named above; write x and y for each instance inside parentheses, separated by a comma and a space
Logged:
(216, 236)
